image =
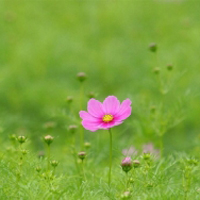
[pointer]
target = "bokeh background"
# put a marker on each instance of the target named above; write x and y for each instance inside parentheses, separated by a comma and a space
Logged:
(44, 44)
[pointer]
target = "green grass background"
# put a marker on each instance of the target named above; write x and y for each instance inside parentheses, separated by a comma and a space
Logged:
(44, 44)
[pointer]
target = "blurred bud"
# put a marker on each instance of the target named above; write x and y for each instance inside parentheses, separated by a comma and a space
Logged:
(72, 128)
(156, 70)
(126, 195)
(69, 99)
(24, 151)
(38, 169)
(126, 164)
(136, 163)
(87, 145)
(48, 139)
(21, 139)
(41, 154)
(12, 137)
(54, 163)
(91, 95)
(81, 76)
(192, 162)
(131, 180)
(146, 156)
(152, 109)
(149, 185)
(170, 67)
(49, 125)
(82, 155)
(153, 47)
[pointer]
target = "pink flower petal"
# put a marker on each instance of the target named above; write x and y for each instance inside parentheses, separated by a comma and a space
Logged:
(86, 116)
(110, 124)
(111, 105)
(95, 108)
(91, 126)
(124, 111)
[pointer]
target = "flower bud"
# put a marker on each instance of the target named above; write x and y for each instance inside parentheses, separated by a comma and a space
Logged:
(82, 155)
(24, 151)
(69, 99)
(146, 156)
(153, 109)
(153, 47)
(169, 67)
(38, 169)
(21, 139)
(126, 164)
(91, 95)
(72, 128)
(12, 137)
(81, 76)
(126, 195)
(87, 145)
(49, 125)
(54, 163)
(48, 139)
(156, 70)
(41, 154)
(136, 163)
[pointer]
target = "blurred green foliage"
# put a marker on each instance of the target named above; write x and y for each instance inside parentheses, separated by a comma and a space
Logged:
(44, 44)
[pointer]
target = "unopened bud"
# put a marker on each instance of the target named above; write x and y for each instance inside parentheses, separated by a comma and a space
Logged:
(72, 128)
(38, 169)
(48, 139)
(49, 125)
(146, 156)
(12, 137)
(24, 151)
(81, 76)
(169, 67)
(153, 47)
(21, 139)
(41, 154)
(91, 95)
(156, 70)
(152, 109)
(126, 195)
(136, 163)
(54, 163)
(87, 145)
(69, 99)
(126, 164)
(82, 155)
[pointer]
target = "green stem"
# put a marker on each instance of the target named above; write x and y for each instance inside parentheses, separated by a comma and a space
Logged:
(48, 158)
(161, 146)
(110, 162)
(81, 128)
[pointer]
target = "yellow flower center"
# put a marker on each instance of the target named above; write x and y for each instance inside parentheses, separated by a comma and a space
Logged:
(107, 118)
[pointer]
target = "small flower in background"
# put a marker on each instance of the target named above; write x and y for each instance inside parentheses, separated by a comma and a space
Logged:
(72, 128)
(153, 47)
(126, 164)
(132, 151)
(149, 149)
(48, 139)
(21, 139)
(69, 99)
(105, 115)
(49, 125)
(81, 76)
(82, 155)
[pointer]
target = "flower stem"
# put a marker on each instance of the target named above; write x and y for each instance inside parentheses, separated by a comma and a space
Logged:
(110, 162)
(48, 158)
(81, 128)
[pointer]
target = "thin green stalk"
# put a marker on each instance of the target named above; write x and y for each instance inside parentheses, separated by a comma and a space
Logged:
(161, 146)
(81, 128)
(48, 158)
(110, 161)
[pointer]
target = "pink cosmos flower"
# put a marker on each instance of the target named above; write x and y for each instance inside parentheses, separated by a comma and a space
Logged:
(105, 115)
